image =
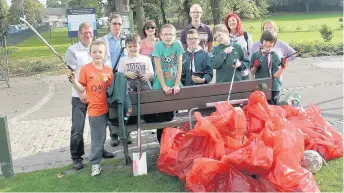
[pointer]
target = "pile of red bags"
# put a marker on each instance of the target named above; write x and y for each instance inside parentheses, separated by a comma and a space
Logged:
(255, 149)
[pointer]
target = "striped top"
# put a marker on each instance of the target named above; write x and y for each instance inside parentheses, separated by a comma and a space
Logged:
(145, 48)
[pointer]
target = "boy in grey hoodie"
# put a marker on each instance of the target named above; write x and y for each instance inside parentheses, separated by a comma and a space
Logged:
(196, 69)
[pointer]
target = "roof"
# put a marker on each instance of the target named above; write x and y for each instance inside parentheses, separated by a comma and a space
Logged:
(53, 11)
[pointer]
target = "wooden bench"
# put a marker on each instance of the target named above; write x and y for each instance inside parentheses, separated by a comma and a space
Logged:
(156, 101)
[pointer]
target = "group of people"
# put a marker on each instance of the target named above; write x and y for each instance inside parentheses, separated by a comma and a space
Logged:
(159, 61)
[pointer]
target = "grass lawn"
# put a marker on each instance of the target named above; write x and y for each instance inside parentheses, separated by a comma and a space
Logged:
(115, 177)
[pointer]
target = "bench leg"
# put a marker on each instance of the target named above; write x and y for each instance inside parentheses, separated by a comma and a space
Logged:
(127, 158)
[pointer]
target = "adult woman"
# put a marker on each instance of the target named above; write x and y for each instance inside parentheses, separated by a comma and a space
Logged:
(239, 36)
(150, 33)
(281, 48)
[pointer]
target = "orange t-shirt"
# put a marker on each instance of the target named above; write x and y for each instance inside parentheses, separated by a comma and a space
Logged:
(96, 83)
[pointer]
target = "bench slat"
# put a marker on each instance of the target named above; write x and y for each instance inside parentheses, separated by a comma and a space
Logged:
(181, 104)
(153, 96)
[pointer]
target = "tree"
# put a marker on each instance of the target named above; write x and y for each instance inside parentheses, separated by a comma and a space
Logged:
(16, 11)
(140, 16)
(3, 19)
(57, 3)
(215, 7)
(117, 6)
(307, 2)
(162, 9)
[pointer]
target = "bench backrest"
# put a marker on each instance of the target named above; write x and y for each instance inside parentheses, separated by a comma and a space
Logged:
(156, 101)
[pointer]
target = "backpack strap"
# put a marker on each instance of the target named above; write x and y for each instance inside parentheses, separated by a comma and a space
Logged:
(246, 38)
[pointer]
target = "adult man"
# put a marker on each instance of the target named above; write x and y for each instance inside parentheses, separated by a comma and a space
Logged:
(206, 36)
(76, 56)
(115, 42)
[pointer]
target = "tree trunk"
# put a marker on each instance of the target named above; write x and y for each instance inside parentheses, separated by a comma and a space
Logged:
(307, 6)
(121, 6)
(187, 5)
(164, 20)
(215, 10)
(140, 16)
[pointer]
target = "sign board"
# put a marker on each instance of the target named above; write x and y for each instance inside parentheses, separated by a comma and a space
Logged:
(75, 17)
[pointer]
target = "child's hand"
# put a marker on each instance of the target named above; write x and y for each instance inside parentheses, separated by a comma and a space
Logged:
(256, 63)
(197, 79)
(167, 90)
(236, 64)
(228, 50)
(83, 97)
(131, 75)
(284, 62)
(72, 76)
(145, 77)
(176, 90)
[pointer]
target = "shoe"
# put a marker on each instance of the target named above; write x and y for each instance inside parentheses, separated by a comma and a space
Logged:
(96, 169)
(77, 164)
(114, 141)
(107, 154)
(129, 139)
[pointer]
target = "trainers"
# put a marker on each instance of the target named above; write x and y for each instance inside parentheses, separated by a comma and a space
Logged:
(77, 164)
(114, 141)
(96, 169)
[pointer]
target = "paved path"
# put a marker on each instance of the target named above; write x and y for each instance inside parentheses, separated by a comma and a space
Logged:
(38, 110)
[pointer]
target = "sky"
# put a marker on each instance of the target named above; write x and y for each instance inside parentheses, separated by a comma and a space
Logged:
(42, 1)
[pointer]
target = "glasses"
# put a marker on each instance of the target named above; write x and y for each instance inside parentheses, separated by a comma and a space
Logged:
(196, 12)
(147, 28)
(87, 33)
(168, 35)
(115, 23)
(192, 39)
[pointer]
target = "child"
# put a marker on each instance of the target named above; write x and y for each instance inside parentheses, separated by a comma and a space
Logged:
(266, 63)
(167, 55)
(227, 56)
(136, 66)
(196, 69)
(95, 78)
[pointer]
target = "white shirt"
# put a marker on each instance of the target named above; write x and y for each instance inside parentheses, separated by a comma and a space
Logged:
(141, 63)
(77, 55)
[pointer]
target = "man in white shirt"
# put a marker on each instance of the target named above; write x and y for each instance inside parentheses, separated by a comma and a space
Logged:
(76, 56)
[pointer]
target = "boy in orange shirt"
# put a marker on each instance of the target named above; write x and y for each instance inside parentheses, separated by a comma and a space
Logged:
(95, 78)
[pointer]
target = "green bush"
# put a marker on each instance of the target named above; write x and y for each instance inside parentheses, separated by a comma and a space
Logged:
(326, 32)
(298, 28)
(312, 49)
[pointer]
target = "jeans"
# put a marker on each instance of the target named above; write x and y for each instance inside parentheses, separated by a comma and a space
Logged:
(78, 123)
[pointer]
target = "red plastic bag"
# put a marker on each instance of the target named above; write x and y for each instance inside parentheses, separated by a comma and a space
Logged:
(258, 112)
(204, 141)
(286, 171)
(254, 157)
(170, 144)
(209, 175)
(313, 114)
(228, 120)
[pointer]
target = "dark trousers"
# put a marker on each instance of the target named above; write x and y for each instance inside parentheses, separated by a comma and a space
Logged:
(161, 117)
(78, 123)
(274, 98)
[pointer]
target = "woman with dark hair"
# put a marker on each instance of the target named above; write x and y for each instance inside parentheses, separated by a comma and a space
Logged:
(238, 35)
(150, 33)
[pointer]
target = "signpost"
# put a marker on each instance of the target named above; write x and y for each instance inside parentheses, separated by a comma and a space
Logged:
(6, 165)
(77, 16)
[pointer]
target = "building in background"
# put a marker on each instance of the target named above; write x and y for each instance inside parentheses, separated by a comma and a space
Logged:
(56, 17)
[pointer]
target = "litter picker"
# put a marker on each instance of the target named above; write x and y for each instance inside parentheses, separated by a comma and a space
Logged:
(51, 48)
